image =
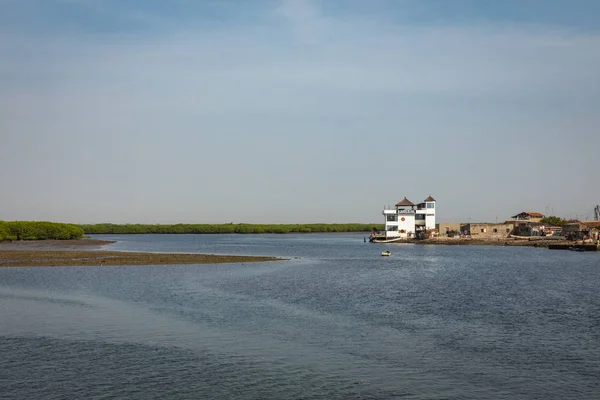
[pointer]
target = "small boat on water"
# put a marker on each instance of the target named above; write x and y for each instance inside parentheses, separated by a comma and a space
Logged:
(386, 253)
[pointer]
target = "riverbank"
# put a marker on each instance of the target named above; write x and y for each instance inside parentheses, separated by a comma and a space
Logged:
(85, 252)
(490, 242)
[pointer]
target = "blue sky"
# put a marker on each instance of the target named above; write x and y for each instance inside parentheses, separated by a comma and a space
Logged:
(297, 111)
(110, 16)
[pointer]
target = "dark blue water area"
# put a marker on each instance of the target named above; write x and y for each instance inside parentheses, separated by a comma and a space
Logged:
(334, 321)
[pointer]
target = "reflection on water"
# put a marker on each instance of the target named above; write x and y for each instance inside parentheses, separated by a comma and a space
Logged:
(342, 322)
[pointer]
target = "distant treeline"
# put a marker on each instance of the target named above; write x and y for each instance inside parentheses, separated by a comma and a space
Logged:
(38, 230)
(100, 229)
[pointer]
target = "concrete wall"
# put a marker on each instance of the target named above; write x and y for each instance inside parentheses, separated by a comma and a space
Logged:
(391, 224)
(430, 221)
(573, 227)
(444, 227)
(489, 231)
(527, 228)
(403, 227)
(408, 225)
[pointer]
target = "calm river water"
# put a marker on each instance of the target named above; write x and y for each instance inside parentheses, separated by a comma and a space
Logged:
(342, 322)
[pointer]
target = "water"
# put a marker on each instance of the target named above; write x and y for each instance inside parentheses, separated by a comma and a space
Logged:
(342, 322)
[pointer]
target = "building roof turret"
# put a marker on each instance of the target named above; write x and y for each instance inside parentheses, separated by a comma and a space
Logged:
(429, 198)
(405, 202)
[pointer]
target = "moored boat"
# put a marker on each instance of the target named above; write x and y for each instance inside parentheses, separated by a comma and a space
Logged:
(394, 240)
(386, 253)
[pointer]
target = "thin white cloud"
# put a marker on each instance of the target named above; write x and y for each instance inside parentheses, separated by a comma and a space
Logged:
(305, 19)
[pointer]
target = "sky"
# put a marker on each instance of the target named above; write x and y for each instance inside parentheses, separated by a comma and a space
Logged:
(297, 111)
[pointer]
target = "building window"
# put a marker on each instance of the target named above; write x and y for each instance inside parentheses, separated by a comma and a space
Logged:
(392, 228)
(419, 217)
(430, 205)
(392, 217)
(495, 230)
(482, 230)
(507, 230)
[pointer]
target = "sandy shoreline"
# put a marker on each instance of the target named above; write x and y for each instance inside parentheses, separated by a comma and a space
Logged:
(490, 242)
(50, 253)
(534, 242)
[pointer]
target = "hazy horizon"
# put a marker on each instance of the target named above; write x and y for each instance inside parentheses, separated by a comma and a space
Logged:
(297, 111)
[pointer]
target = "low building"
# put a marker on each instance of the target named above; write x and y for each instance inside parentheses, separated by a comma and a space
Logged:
(527, 228)
(581, 230)
(528, 216)
(572, 227)
(488, 231)
(591, 224)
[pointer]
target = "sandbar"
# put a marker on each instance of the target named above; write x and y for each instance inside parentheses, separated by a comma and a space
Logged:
(86, 252)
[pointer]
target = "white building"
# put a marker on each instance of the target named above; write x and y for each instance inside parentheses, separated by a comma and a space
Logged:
(407, 220)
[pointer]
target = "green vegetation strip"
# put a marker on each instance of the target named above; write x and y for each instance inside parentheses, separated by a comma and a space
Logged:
(101, 229)
(554, 221)
(39, 230)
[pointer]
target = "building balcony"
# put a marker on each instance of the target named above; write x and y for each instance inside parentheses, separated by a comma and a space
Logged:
(399, 212)
(406, 212)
